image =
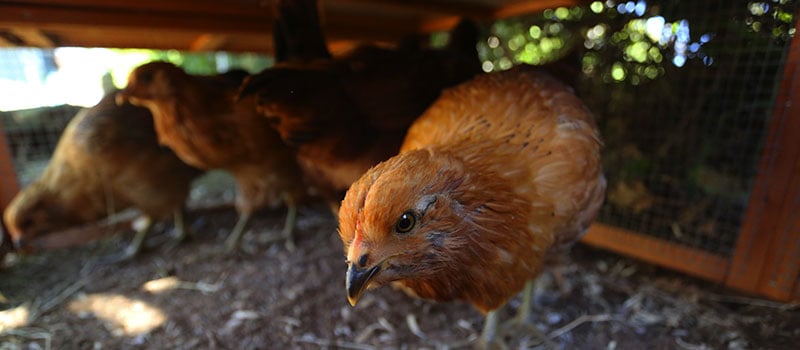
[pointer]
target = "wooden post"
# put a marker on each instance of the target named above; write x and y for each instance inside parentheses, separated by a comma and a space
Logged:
(8, 176)
(768, 240)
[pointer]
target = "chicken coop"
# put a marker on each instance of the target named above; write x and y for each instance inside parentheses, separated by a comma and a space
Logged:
(697, 102)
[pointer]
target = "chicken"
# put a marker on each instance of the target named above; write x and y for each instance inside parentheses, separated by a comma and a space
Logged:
(346, 114)
(297, 33)
(199, 118)
(500, 175)
(106, 160)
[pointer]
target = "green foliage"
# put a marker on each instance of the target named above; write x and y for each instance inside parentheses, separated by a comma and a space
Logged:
(192, 62)
(620, 42)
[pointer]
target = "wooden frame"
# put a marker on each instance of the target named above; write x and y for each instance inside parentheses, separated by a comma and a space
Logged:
(674, 256)
(767, 256)
(8, 176)
(766, 259)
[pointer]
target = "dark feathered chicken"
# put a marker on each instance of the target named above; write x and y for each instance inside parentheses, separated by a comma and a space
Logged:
(346, 114)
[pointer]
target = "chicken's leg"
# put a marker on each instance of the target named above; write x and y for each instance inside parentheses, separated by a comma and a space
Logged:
(524, 311)
(238, 231)
(489, 332)
(524, 314)
(288, 226)
(182, 232)
(137, 244)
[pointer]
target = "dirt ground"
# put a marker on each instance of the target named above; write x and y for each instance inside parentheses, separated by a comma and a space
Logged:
(265, 296)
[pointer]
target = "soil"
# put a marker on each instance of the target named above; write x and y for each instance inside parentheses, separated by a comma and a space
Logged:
(266, 296)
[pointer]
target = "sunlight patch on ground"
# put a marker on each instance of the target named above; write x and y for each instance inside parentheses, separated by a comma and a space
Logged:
(161, 285)
(14, 318)
(123, 315)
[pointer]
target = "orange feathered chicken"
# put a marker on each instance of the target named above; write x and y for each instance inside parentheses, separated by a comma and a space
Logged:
(107, 159)
(498, 175)
(201, 120)
(347, 114)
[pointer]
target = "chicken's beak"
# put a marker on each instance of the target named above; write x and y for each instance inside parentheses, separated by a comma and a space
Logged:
(358, 280)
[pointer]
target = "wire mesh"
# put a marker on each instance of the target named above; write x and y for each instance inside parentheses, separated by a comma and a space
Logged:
(683, 109)
(31, 134)
(697, 133)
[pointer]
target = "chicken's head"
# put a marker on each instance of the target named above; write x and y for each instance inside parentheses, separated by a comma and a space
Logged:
(410, 219)
(33, 213)
(299, 102)
(150, 81)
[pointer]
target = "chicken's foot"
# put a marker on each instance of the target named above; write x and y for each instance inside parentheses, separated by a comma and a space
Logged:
(287, 233)
(489, 333)
(137, 244)
(232, 243)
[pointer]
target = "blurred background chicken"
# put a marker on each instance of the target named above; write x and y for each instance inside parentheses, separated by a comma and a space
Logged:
(297, 32)
(107, 159)
(498, 176)
(346, 114)
(199, 118)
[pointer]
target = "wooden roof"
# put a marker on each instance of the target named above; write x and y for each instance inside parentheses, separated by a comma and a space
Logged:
(232, 25)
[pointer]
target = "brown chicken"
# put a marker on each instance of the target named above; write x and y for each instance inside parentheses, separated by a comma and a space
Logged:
(498, 176)
(345, 115)
(107, 159)
(200, 119)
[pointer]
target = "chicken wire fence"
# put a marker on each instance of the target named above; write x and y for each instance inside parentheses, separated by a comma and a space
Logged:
(33, 114)
(683, 93)
(684, 112)
(682, 151)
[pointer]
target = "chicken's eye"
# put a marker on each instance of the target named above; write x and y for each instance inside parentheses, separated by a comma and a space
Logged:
(406, 222)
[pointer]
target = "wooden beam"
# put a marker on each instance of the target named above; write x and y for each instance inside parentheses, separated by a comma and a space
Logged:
(208, 42)
(691, 261)
(33, 37)
(5, 42)
(422, 7)
(439, 24)
(44, 17)
(528, 7)
(764, 227)
(238, 8)
(780, 223)
(781, 271)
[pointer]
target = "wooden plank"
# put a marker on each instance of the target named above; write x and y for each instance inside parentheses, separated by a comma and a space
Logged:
(531, 7)
(239, 8)
(208, 42)
(688, 260)
(422, 7)
(5, 42)
(44, 17)
(8, 176)
(782, 268)
(762, 225)
(33, 37)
